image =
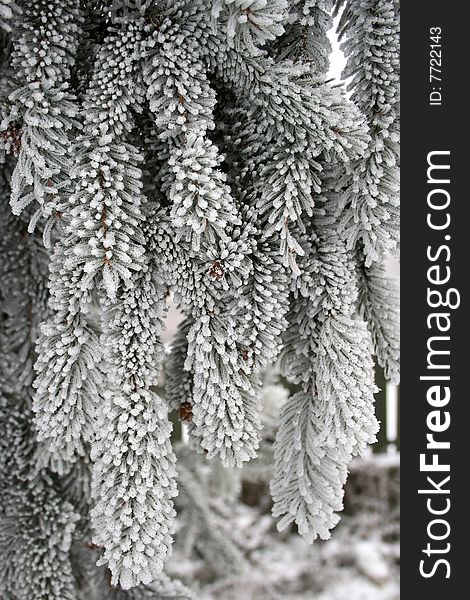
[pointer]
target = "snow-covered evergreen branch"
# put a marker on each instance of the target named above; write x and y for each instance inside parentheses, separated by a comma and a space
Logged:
(370, 187)
(331, 418)
(379, 305)
(102, 242)
(134, 473)
(306, 36)
(42, 109)
(36, 520)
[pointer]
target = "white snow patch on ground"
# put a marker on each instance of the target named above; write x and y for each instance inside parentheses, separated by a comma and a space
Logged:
(356, 564)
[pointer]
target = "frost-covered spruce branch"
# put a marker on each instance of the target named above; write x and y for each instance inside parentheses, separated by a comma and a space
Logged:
(370, 199)
(204, 134)
(105, 212)
(101, 244)
(36, 520)
(289, 99)
(288, 242)
(276, 181)
(289, 96)
(305, 37)
(179, 383)
(292, 102)
(225, 395)
(278, 158)
(182, 101)
(379, 305)
(205, 216)
(327, 350)
(263, 301)
(68, 382)
(134, 474)
(42, 109)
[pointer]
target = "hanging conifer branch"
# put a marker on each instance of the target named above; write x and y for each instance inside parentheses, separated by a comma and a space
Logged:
(105, 213)
(368, 204)
(371, 189)
(36, 520)
(306, 38)
(42, 107)
(134, 473)
(380, 308)
(68, 383)
(179, 383)
(101, 239)
(225, 412)
(182, 100)
(202, 200)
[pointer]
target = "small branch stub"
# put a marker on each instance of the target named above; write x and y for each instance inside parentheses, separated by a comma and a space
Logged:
(12, 139)
(217, 270)
(186, 412)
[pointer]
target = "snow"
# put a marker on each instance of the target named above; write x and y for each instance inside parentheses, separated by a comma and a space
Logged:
(289, 569)
(359, 562)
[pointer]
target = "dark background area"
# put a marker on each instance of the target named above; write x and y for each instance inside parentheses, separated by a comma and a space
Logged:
(425, 129)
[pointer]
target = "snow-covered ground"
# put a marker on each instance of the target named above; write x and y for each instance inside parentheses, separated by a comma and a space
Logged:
(343, 568)
(359, 562)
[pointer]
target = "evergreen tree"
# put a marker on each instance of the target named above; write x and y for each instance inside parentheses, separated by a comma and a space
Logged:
(194, 152)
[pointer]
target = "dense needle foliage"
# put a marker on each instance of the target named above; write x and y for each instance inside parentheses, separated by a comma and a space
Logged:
(194, 152)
